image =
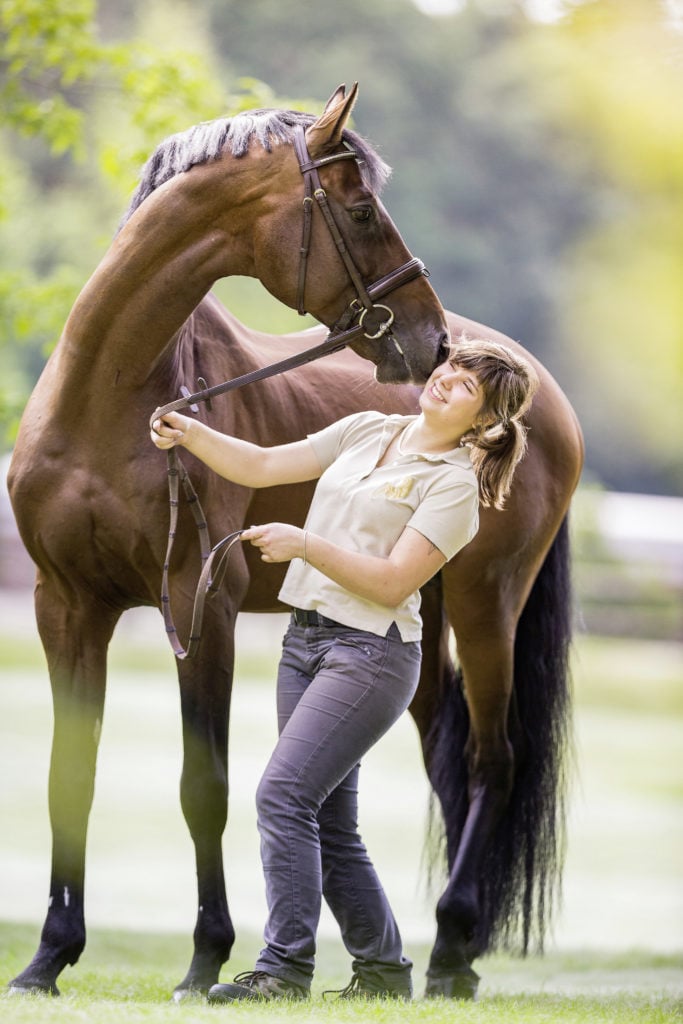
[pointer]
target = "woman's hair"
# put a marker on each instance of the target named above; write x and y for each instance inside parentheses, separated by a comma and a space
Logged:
(497, 441)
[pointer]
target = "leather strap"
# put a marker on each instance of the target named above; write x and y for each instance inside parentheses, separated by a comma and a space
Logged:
(211, 578)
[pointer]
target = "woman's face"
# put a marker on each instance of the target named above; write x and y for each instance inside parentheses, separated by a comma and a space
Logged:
(452, 398)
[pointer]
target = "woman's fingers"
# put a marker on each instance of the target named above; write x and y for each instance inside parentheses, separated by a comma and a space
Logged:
(168, 431)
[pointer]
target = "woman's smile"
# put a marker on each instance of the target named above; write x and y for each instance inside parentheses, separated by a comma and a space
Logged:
(435, 393)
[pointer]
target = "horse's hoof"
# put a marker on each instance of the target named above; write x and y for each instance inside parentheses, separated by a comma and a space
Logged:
(461, 984)
(188, 995)
(13, 989)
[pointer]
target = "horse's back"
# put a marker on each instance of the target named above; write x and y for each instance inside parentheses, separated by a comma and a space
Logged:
(303, 399)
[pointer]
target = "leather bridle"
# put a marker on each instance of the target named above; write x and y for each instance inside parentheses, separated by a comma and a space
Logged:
(351, 325)
(363, 303)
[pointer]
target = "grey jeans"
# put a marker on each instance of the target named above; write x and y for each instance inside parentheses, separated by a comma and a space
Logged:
(338, 691)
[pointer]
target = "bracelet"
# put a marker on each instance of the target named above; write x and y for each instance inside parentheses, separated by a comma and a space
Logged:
(304, 554)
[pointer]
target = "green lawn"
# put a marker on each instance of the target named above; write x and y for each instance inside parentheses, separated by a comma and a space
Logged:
(616, 952)
(130, 976)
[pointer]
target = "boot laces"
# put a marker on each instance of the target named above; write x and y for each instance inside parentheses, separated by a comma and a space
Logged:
(353, 988)
(249, 978)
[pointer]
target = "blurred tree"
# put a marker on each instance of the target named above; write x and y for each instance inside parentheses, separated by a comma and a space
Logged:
(48, 53)
(55, 206)
(480, 189)
(517, 144)
(52, 63)
(78, 116)
(622, 298)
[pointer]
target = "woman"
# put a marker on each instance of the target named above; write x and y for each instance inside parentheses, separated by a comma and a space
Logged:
(397, 497)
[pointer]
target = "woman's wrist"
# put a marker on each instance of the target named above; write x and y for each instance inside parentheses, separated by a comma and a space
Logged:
(197, 438)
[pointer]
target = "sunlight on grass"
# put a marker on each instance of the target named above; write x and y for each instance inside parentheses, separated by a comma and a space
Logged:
(630, 675)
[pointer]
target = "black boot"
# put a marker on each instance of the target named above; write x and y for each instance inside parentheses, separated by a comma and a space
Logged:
(360, 988)
(256, 985)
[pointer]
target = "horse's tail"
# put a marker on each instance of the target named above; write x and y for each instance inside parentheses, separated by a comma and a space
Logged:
(520, 878)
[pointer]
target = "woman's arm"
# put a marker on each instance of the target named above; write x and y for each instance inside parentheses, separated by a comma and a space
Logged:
(240, 461)
(387, 581)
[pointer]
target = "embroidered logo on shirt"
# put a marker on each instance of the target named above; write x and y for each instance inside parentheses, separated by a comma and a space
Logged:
(397, 491)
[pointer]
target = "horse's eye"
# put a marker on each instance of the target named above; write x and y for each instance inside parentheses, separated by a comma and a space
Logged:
(361, 213)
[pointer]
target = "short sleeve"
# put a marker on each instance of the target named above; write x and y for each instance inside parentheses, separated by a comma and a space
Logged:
(448, 516)
(330, 441)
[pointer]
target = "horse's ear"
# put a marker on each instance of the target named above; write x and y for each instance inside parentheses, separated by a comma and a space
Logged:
(326, 132)
(338, 95)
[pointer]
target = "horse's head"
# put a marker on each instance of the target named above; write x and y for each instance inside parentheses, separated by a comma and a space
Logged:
(292, 200)
(340, 257)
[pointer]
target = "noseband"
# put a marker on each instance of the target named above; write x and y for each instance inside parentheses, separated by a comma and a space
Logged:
(363, 304)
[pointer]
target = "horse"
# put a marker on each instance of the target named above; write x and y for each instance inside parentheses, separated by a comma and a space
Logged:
(89, 495)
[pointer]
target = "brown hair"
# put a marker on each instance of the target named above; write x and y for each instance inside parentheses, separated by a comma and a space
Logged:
(497, 441)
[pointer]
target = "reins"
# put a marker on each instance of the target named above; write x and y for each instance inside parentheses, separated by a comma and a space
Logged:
(209, 583)
(342, 333)
(334, 342)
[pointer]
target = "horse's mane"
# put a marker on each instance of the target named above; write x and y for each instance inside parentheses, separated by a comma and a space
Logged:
(206, 141)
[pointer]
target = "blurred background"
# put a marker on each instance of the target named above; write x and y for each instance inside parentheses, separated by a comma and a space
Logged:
(537, 148)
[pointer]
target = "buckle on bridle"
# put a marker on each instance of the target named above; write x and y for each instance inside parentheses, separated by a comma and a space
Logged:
(383, 327)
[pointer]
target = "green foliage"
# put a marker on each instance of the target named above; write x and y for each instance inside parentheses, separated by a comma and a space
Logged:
(621, 305)
(33, 311)
(56, 70)
(92, 112)
(50, 55)
(48, 51)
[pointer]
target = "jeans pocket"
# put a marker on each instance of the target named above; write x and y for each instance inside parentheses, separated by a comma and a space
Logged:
(367, 644)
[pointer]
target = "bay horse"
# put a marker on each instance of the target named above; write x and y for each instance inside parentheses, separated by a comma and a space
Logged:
(89, 495)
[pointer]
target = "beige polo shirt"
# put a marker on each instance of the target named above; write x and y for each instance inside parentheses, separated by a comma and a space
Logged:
(363, 507)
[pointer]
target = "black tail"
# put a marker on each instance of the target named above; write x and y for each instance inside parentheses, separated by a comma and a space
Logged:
(520, 879)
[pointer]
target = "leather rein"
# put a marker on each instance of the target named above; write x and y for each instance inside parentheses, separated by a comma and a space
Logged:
(355, 322)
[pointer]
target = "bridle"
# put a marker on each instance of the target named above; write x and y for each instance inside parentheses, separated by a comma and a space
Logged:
(355, 322)
(363, 303)
(351, 325)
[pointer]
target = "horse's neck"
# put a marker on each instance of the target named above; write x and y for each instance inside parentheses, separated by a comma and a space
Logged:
(157, 270)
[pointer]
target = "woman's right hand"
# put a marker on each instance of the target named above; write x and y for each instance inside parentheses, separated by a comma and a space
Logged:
(170, 431)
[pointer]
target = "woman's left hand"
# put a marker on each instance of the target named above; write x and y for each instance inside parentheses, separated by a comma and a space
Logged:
(277, 542)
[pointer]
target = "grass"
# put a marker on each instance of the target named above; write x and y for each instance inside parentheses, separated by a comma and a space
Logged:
(635, 675)
(617, 956)
(130, 976)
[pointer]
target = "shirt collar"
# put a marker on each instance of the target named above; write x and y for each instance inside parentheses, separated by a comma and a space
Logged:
(458, 456)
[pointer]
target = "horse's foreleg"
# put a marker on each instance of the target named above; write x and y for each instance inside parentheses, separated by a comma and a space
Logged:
(205, 687)
(75, 635)
(487, 670)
